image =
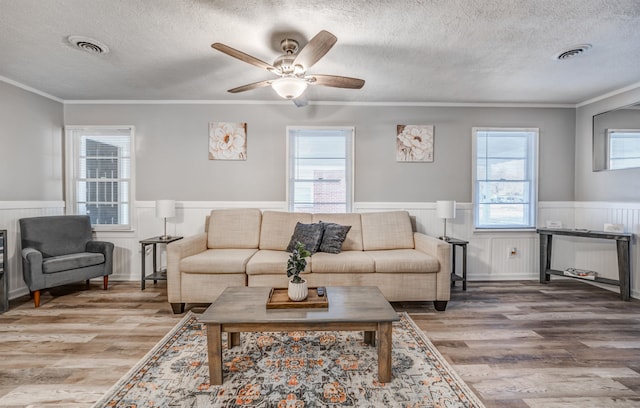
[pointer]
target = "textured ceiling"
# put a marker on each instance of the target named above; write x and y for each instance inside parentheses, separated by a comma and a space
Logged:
(494, 51)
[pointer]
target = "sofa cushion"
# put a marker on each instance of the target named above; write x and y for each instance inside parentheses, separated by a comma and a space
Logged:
(217, 261)
(71, 261)
(344, 262)
(310, 235)
(333, 237)
(268, 262)
(386, 230)
(353, 242)
(403, 261)
(234, 228)
(277, 228)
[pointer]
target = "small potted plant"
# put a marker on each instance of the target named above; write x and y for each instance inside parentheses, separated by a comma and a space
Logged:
(298, 289)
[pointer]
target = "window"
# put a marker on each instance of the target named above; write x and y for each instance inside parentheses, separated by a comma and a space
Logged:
(505, 178)
(99, 174)
(623, 148)
(320, 169)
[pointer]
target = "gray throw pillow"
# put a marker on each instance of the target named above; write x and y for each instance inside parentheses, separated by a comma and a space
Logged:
(308, 234)
(333, 237)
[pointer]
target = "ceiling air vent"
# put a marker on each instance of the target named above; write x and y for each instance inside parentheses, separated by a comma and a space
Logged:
(88, 44)
(572, 52)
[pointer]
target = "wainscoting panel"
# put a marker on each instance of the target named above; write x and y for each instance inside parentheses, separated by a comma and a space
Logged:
(10, 213)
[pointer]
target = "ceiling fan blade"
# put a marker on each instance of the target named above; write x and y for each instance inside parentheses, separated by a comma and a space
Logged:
(243, 57)
(336, 81)
(315, 49)
(249, 87)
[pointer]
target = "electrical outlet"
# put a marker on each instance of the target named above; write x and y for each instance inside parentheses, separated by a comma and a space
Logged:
(513, 252)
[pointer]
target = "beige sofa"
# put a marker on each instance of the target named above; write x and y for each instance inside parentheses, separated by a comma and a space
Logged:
(246, 247)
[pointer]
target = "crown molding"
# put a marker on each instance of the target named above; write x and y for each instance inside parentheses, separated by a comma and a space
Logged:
(609, 95)
(30, 89)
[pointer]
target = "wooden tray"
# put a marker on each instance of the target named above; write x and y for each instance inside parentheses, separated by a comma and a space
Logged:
(279, 299)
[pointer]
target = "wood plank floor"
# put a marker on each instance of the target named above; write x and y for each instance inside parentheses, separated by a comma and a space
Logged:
(516, 344)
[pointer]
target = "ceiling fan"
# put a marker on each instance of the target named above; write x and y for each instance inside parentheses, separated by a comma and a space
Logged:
(291, 67)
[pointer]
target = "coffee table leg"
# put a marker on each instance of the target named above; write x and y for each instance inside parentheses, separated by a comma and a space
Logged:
(370, 338)
(234, 339)
(214, 350)
(384, 352)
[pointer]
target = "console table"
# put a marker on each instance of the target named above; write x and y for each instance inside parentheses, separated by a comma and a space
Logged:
(623, 246)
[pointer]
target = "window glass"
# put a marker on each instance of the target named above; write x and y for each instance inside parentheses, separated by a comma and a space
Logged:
(99, 170)
(504, 173)
(320, 169)
(623, 148)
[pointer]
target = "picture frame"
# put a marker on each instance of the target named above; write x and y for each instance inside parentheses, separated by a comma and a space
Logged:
(414, 143)
(227, 141)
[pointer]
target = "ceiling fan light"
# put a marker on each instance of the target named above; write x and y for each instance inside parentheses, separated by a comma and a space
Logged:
(289, 88)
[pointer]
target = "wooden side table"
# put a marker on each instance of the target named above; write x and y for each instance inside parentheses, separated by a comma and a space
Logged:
(156, 275)
(455, 277)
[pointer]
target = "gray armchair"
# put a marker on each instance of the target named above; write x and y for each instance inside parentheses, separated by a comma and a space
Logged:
(57, 250)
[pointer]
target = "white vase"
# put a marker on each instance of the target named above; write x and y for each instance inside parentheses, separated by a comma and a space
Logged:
(298, 291)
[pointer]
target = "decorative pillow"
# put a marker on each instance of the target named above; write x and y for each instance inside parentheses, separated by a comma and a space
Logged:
(308, 234)
(333, 237)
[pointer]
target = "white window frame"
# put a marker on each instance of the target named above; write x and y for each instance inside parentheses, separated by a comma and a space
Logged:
(72, 168)
(532, 169)
(610, 135)
(349, 166)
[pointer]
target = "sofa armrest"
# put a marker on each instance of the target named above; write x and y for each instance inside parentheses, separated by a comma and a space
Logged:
(442, 251)
(106, 249)
(32, 268)
(176, 251)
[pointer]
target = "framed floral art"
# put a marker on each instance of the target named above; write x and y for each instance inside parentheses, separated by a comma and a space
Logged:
(414, 143)
(227, 141)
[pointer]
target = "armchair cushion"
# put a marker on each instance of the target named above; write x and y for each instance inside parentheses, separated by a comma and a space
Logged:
(71, 261)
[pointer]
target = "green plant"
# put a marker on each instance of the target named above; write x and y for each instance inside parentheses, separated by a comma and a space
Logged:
(297, 262)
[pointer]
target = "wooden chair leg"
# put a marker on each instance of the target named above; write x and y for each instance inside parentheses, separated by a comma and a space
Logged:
(105, 282)
(36, 298)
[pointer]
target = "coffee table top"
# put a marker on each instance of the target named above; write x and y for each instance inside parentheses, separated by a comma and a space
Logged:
(346, 304)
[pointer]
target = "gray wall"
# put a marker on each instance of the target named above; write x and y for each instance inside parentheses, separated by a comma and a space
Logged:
(172, 143)
(30, 146)
(611, 185)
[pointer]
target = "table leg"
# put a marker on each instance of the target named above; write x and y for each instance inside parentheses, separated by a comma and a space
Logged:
(214, 351)
(384, 352)
(370, 338)
(453, 265)
(155, 267)
(464, 267)
(624, 269)
(545, 257)
(143, 255)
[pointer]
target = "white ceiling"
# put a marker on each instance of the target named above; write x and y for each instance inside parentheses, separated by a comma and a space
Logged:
(418, 51)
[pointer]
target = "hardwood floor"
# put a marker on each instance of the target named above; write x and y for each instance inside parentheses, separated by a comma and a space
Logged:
(516, 344)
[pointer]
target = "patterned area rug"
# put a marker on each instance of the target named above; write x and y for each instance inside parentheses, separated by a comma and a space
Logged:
(291, 370)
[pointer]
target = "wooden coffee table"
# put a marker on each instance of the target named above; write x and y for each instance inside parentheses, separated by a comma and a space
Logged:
(351, 308)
